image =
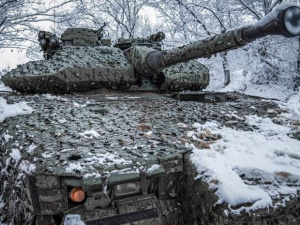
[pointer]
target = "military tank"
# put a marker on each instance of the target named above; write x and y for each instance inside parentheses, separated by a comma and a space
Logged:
(107, 157)
(82, 62)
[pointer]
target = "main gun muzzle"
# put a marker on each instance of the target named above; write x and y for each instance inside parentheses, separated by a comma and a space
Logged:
(286, 23)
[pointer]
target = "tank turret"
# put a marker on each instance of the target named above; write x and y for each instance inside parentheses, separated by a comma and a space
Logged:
(84, 37)
(139, 64)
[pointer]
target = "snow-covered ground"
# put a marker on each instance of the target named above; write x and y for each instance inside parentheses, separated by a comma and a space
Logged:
(232, 164)
(10, 110)
(3, 87)
(241, 82)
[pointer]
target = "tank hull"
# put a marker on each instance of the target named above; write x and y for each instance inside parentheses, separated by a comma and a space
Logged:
(117, 147)
(78, 69)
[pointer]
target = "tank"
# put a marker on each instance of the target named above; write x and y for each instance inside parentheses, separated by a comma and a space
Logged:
(116, 153)
(84, 61)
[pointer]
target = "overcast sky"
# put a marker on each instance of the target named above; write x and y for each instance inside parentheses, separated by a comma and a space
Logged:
(11, 57)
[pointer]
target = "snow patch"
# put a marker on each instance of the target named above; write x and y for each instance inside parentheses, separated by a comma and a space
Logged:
(77, 105)
(27, 167)
(6, 138)
(274, 14)
(47, 156)
(73, 219)
(182, 125)
(148, 134)
(11, 110)
(153, 168)
(293, 106)
(31, 148)
(232, 164)
(94, 175)
(53, 97)
(4, 88)
(73, 167)
(266, 125)
(90, 134)
(15, 154)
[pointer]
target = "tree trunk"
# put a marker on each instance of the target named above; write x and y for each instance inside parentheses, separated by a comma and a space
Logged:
(297, 78)
(298, 59)
(225, 68)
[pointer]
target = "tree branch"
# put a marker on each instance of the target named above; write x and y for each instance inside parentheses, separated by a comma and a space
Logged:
(5, 3)
(257, 14)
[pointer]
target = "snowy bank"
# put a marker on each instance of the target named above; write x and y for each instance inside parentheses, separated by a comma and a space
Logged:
(249, 169)
(11, 110)
(292, 106)
(241, 82)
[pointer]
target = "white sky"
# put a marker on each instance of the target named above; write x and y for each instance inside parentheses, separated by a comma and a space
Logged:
(11, 57)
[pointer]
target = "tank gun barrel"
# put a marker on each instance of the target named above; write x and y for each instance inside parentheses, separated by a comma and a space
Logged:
(285, 22)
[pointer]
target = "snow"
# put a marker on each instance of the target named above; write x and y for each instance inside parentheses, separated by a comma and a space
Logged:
(11, 110)
(273, 15)
(293, 106)
(15, 154)
(266, 125)
(47, 156)
(77, 105)
(232, 163)
(153, 168)
(4, 88)
(148, 134)
(26, 167)
(241, 83)
(6, 138)
(182, 125)
(72, 167)
(49, 96)
(93, 175)
(122, 97)
(73, 219)
(31, 148)
(96, 159)
(90, 134)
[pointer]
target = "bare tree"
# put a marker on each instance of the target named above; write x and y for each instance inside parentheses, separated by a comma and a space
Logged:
(194, 20)
(123, 16)
(269, 56)
(19, 19)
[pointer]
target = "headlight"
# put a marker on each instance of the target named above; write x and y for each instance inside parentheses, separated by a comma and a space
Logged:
(77, 194)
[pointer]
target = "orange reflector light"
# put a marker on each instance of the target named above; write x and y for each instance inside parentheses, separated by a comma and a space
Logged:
(77, 194)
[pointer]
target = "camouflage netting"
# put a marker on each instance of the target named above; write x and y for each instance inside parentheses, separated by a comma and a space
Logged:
(80, 37)
(78, 136)
(73, 69)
